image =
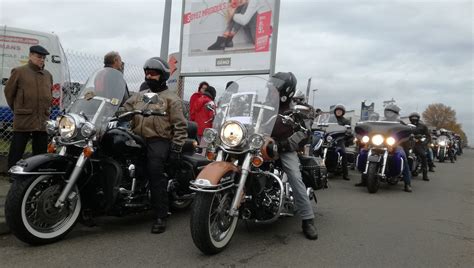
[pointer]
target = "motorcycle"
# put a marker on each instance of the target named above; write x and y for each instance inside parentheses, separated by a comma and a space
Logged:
(379, 160)
(413, 161)
(245, 182)
(445, 149)
(327, 135)
(93, 167)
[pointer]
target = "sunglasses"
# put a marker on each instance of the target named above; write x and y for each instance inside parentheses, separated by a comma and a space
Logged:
(152, 72)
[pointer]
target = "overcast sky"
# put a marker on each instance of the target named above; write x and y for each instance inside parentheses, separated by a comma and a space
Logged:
(417, 52)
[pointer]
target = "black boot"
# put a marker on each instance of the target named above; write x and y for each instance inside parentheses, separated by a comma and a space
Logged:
(159, 226)
(363, 181)
(228, 41)
(425, 175)
(219, 44)
(408, 188)
(309, 229)
(346, 177)
(431, 169)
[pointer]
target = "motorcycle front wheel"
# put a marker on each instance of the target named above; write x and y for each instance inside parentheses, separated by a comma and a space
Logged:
(212, 227)
(441, 156)
(31, 213)
(372, 179)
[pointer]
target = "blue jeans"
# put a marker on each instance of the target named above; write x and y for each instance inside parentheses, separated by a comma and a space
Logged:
(291, 166)
(406, 168)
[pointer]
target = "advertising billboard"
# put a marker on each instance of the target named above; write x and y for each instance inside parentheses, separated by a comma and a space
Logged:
(228, 36)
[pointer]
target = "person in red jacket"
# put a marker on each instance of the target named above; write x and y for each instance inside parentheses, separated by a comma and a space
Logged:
(205, 110)
(192, 101)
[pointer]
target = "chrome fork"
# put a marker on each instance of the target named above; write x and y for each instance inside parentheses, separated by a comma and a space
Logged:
(72, 180)
(234, 210)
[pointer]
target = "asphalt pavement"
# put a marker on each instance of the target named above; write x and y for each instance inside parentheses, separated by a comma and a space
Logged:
(431, 227)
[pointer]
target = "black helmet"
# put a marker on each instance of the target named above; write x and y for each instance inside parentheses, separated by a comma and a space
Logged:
(393, 107)
(414, 118)
(285, 83)
(157, 63)
(340, 107)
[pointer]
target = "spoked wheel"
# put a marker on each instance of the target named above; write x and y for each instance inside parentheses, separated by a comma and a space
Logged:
(212, 227)
(31, 213)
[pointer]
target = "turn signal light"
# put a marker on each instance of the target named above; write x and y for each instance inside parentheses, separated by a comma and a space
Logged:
(88, 151)
(51, 148)
(210, 155)
(257, 161)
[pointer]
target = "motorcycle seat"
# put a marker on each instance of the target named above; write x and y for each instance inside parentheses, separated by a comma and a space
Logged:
(196, 160)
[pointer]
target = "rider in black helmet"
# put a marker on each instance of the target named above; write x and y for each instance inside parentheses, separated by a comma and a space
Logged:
(421, 148)
(164, 135)
(288, 142)
(339, 112)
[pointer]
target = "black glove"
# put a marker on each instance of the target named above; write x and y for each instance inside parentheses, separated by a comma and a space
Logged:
(175, 152)
(295, 139)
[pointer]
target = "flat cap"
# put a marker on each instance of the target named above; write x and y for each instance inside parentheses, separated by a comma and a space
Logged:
(39, 50)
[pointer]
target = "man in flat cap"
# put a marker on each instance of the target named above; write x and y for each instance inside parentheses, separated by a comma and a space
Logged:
(28, 93)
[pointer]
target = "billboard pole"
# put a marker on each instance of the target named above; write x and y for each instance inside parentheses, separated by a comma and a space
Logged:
(307, 90)
(276, 18)
(165, 36)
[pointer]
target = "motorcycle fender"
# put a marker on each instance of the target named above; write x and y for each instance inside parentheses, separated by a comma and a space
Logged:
(374, 158)
(215, 171)
(43, 164)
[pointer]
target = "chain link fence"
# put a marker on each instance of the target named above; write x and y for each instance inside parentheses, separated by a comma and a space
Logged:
(77, 68)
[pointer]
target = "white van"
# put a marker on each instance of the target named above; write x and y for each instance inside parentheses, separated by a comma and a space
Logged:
(14, 50)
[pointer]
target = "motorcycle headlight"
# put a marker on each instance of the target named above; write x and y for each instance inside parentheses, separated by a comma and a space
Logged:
(87, 130)
(442, 143)
(209, 135)
(377, 139)
(51, 127)
(329, 138)
(232, 134)
(67, 127)
(390, 141)
(365, 139)
(256, 141)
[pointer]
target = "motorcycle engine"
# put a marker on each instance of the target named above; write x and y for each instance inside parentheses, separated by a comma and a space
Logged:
(265, 192)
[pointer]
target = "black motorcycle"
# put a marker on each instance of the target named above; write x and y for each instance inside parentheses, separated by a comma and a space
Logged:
(327, 135)
(94, 167)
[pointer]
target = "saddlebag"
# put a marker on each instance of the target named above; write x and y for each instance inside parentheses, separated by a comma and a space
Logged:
(314, 174)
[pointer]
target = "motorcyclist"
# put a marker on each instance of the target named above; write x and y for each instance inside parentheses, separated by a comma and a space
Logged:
(392, 114)
(458, 140)
(288, 140)
(339, 111)
(421, 148)
(164, 135)
(300, 99)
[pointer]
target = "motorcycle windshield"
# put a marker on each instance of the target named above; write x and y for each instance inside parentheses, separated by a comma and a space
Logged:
(329, 122)
(100, 97)
(443, 138)
(252, 101)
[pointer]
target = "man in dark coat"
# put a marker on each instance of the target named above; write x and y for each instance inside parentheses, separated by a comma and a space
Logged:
(28, 94)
